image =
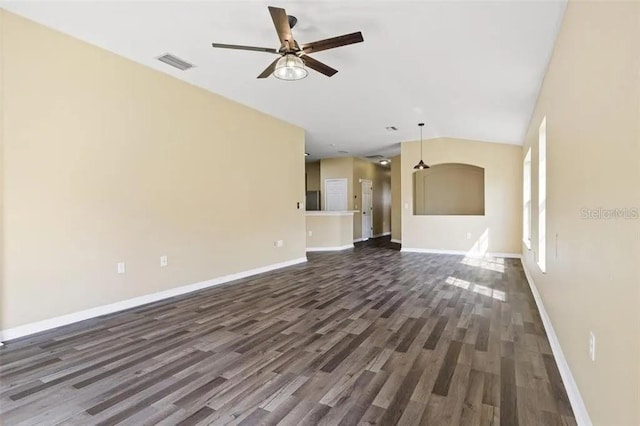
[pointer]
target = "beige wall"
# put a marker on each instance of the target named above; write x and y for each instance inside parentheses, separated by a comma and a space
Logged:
(499, 230)
(591, 99)
(2, 166)
(329, 231)
(396, 199)
(106, 160)
(312, 172)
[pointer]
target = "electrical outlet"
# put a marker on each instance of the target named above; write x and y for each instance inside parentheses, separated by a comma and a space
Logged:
(278, 243)
(592, 346)
(406, 205)
(163, 261)
(468, 235)
(121, 267)
(311, 233)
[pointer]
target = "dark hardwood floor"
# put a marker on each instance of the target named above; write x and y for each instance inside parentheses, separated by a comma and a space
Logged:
(366, 336)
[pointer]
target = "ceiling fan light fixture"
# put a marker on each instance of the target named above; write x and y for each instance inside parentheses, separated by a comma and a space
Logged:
(290, 68)
(292, 65)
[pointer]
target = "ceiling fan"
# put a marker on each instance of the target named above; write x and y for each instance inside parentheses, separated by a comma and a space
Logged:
(294, 57)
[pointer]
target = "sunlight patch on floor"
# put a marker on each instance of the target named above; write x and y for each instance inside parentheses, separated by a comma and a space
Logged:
(488, 263)
(477, 288)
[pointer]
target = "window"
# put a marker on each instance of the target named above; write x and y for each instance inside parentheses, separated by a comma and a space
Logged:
(526, 200)
(542, 195)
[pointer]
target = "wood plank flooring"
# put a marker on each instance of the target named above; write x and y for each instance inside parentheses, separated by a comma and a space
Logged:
(368, 336)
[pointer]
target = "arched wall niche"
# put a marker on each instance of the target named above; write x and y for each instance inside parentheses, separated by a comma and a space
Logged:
(449, 189)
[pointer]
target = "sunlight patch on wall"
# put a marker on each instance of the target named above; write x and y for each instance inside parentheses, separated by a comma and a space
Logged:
(481, 246)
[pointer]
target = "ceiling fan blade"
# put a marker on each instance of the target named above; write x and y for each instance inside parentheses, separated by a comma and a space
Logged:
(333, 42)
(281, 22)
(269, 70)
(253, 48)
(318, 66)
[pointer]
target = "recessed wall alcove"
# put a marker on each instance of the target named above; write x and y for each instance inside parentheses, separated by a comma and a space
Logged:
(449, 189)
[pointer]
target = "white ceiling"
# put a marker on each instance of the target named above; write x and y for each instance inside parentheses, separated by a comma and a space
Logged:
(467, 69)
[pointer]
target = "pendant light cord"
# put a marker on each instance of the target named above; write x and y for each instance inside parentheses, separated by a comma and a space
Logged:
(420, 143)
(421, 165)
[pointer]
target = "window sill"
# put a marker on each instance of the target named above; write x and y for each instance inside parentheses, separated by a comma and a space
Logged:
(543, 270)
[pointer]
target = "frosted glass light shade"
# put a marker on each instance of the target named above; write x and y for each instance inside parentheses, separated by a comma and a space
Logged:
(290, 67)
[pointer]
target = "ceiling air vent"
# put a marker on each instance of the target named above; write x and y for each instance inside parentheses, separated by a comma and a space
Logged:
(391, 129)
(374, 157)
(175, 62)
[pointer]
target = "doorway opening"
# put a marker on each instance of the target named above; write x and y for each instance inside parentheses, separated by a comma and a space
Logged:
(367, 209)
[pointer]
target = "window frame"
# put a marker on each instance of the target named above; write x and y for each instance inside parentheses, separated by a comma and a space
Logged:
(542, 196)
(526, 199)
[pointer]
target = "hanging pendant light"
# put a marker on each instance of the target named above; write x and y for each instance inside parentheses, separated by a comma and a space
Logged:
(421, 165)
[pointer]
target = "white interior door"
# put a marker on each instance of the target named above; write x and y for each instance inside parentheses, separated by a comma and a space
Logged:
(335, 194)
(367, 209)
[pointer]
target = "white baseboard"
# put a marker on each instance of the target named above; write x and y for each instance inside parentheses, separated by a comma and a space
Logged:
(396, 241)
(384, 234)
(39, 326)
(357, 240)
(577, 404)
(337, 248)
(500, 254)
(461, 252)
